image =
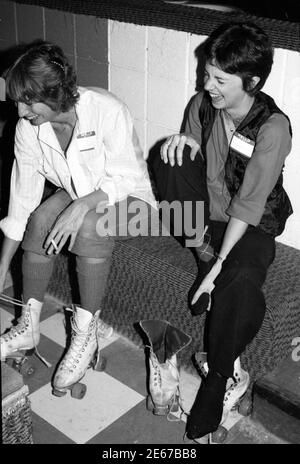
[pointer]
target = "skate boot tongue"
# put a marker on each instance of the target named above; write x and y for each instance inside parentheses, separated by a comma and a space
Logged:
(82, 318)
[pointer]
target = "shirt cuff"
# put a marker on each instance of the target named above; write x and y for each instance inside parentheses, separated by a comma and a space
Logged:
(109, 187)
(117, 189)
(249, 212)
(12, 228)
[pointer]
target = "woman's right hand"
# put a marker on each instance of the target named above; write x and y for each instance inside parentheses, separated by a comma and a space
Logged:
(177, 143)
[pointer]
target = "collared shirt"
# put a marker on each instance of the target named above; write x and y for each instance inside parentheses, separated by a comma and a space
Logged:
(272, 146)
(104, 153)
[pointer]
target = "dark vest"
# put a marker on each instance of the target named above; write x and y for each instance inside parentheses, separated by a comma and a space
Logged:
(278, 206)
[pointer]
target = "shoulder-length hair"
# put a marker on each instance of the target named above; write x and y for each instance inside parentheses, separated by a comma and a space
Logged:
(43, 74)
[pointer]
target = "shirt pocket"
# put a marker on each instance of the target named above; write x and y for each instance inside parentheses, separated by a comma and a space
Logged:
(92, 164)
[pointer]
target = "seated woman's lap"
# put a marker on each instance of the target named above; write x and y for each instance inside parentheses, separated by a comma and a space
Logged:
(100, 228)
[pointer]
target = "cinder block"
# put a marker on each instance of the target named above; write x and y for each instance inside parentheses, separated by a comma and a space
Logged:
(166, 101)
(127, 45)
(167, 52)
(129, 86)
(91, 73)
(91, 38)
(156, 133)
(8, 26)
(59, 29)
(29, 23)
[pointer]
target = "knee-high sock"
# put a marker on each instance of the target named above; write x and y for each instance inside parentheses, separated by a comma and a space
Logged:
(37, 271)
(92, 276)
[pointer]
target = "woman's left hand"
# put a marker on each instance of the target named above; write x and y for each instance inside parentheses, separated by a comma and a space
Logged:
(67, 225)
(207, 284)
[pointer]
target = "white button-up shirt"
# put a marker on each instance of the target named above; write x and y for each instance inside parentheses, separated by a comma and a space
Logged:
(104, 153)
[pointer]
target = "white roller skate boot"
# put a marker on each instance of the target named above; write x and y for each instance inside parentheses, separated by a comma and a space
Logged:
(25, 335)
(238, 374)
(165, 342)
(236, 386)
(236, 390)
(234, 399)
(83, 353)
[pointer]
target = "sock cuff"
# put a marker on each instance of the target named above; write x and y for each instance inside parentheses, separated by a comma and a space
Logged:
(35, 270)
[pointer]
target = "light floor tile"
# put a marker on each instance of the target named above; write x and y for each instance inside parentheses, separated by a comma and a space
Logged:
(54, 328)
(6, 320)
(105, 401)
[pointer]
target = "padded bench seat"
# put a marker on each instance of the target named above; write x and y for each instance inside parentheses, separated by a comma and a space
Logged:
(16, 411)
(150, 277)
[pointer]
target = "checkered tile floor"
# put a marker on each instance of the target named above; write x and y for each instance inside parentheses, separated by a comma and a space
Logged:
(113, 410)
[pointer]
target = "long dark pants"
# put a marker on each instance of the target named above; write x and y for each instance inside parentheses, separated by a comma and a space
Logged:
(238, 303)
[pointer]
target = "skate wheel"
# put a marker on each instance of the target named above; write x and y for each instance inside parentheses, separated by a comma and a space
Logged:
(101, 364)
(78, 391)
(58, 392)
(26, 369)
(245, 407)
(219, 436)
(10, 362)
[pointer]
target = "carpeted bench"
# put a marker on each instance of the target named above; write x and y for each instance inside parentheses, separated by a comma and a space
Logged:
(150, 277)
(16, 411)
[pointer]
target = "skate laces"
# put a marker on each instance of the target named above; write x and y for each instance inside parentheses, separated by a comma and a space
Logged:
(158, 383)
(21, 326)
(79, 342)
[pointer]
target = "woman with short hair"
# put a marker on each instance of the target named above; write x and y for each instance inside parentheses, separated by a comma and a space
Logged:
(230, 157)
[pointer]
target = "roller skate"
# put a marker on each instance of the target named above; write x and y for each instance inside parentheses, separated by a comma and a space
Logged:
(165, 342)
(84, 352)
(235, 396)
(21, 341)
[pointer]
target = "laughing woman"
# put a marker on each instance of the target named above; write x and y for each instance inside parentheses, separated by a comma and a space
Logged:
(231, 157)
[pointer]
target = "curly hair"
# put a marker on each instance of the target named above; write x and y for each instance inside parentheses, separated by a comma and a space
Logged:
(243, 49)
(43, 74)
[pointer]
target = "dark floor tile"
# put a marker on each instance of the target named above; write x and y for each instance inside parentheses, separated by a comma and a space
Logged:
(139, 426)
(126, 363)
(42, 374)
(44, 433)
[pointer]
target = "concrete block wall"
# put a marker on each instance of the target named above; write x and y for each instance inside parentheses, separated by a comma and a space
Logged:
(153, 70)
(84, 39)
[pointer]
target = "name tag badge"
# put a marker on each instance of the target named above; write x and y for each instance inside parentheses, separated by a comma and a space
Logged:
(242, 144)
(86, 141)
